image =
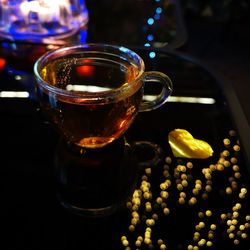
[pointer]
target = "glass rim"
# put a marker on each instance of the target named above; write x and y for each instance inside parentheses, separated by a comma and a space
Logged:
(90, 96)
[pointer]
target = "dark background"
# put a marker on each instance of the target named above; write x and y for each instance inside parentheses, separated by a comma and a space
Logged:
(219, 34)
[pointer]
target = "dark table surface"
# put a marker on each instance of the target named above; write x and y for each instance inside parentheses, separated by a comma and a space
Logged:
(31, 216)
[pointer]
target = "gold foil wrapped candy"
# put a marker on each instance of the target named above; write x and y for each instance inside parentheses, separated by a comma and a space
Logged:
(183, 144)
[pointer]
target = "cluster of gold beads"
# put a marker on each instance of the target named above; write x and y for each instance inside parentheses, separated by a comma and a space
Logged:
(185, 184)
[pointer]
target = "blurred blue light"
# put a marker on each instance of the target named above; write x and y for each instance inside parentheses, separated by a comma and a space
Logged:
(157, 16)
(147, 45)
(151, 21)
(158, 10)
(83, 36)
(150, 37)
(152, 54)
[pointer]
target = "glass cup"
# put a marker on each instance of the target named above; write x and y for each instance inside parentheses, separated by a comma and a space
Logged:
(92, 94)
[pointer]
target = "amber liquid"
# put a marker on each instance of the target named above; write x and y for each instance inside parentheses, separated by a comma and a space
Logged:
(89, 125)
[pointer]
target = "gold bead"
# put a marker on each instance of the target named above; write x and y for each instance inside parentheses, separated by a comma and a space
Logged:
(208, 188)
(234, 160)
(150, 222)
(202, 242)
(147, 195)
(125, 243)
(184, 183)
(147, 241)
(166, 211)
(236, 242)
(232, 133)
(140, 238)
(210, 235)
(234, 222)
(227, 164)
(196, 238)
(197, 234)
(168, 160)
(183, 176)
(244, 236)
(166, 167)
(123, 238)
(192, 201)
(181, 200)
(138, 243)
(235, 215)
(237, 175)
(166, 173)
(159, 200)
(236, 168)
(129, 204)
(164, 194)
(201, 224)
(198, 186)
(226, 142)
(201, 215)
(195, 191)
(183, 194)
(163, 186)
(236, 148)
(179, 187)
(212, 167)
(163, 247)
(223, 216)
(208, 213)
(163, 205)
(131, 228)
(159, 241)
(134, 221)
(148, 171)
(204, 196)
(229, 190)
(155, 216)
(241, 195)
(220, 167)
(209, 243)
(225, 153)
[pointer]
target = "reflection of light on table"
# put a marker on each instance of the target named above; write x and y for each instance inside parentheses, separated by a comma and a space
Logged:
(14, 94)
(185, 99)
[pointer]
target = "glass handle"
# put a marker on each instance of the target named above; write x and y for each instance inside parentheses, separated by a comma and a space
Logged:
(150, 103)
(148, 154)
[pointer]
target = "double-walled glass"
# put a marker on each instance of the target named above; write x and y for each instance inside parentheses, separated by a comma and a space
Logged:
(92, 94)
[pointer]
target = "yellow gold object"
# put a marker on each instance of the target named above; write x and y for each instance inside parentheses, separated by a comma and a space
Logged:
(183, 144)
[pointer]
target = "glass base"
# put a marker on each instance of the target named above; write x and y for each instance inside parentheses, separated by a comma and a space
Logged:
(88, 212)
(95, 182)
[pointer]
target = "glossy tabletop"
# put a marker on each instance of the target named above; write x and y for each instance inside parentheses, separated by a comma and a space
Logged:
(205, 203)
